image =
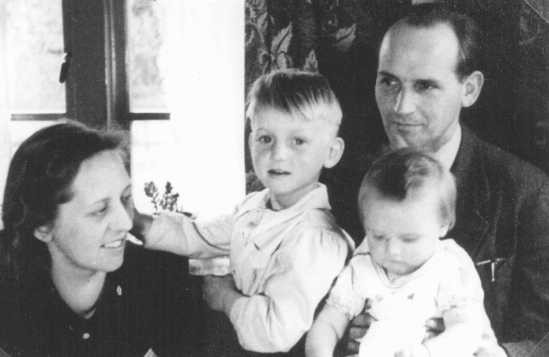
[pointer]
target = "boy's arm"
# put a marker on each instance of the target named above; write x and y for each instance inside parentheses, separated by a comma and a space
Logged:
(276, 318)
(326, 331)
(179, 234)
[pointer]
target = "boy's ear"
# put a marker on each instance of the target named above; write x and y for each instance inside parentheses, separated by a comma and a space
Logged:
(44, 233)
(472, 86)
(336, 151)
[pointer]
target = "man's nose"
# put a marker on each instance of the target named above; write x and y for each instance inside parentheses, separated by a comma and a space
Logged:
(405, 102)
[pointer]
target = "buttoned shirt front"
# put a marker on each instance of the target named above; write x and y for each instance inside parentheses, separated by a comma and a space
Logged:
(283, 262)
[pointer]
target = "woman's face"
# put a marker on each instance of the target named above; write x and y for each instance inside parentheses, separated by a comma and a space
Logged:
(89, 232)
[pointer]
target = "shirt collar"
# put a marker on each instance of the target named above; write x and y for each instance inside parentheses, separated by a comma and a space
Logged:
(446, 155)
(317, 198)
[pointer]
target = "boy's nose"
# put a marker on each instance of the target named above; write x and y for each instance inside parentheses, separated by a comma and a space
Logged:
(279, 151)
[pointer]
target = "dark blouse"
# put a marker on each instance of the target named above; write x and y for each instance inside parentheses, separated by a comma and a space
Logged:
(149, 304)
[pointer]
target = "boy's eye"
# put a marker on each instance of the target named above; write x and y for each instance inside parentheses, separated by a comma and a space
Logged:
(264, 139)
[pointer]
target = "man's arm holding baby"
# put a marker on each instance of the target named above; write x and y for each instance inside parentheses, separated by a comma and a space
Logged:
(182, 235)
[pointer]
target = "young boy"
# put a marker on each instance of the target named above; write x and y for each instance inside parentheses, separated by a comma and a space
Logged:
(284, 246)
(403, 271)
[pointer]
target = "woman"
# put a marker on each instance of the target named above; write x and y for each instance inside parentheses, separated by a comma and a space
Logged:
(71, 284)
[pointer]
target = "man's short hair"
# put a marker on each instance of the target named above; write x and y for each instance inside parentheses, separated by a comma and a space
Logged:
(297, 93)
(401, 172)
(465, 28)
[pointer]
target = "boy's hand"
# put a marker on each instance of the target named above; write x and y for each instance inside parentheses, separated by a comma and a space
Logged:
(141, 224)
(220, 292)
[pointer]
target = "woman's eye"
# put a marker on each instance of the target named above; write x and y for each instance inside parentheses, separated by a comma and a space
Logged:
(126, 200)
(387, 81)
(264, 139)
(100, 211)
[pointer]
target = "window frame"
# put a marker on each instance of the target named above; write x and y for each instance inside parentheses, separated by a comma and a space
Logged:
(96, 87)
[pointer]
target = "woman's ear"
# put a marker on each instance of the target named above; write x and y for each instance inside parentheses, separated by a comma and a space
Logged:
(44, 233)
(335, 152)
(472, 86)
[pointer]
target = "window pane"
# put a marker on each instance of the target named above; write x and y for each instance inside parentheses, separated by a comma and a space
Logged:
(34, 30)
(144, 43)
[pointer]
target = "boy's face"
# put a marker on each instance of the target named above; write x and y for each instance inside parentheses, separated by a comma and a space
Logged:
(288, 153)
(402, 235)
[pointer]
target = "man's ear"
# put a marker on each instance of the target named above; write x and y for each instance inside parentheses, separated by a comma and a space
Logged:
(44, 233)
(472, 86)
(336, 151)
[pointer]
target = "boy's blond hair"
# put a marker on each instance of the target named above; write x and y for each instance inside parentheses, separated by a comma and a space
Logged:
(300, 94)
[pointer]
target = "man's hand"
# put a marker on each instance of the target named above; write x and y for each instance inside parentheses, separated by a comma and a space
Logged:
(358, 327)
(220, 292)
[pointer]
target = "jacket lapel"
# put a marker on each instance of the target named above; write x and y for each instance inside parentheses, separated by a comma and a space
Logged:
(473, 195)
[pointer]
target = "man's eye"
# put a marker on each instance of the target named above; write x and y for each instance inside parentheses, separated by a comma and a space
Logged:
(424, 86)
(387, 81)
(264, 139)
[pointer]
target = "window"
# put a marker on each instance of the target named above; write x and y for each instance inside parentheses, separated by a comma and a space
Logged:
(118, 56)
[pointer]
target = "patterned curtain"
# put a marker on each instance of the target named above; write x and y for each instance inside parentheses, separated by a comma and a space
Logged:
(339, 38)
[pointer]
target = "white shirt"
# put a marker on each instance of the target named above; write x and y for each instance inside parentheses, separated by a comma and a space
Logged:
(400, 308)
(284, 262)
(446, 155)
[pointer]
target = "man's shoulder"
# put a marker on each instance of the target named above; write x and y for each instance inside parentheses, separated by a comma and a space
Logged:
(498, 165)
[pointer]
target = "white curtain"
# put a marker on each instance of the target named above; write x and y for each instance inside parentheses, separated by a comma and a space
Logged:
(203, 60)
(5, 144)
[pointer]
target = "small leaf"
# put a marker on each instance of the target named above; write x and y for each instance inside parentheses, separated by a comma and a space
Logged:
(281, 42)
(344, 38)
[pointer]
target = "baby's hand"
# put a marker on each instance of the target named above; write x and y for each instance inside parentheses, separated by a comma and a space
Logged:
(220, 292)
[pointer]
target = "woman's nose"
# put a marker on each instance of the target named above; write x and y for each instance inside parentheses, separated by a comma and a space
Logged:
(122, 218)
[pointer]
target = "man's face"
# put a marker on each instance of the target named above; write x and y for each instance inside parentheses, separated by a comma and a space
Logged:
(418, 92)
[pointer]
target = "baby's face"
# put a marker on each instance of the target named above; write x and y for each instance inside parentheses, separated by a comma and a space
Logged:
(402, 235)
(288, 153)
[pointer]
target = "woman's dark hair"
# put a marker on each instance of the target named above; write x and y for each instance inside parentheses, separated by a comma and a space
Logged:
(39, 179)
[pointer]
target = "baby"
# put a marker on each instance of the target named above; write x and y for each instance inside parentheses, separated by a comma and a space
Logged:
(403, 271)
(284, 246)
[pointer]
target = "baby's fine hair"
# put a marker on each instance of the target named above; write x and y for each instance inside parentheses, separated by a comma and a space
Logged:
(398, 173)
(300, 94)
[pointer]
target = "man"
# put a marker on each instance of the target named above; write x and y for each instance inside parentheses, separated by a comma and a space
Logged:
(427, 72)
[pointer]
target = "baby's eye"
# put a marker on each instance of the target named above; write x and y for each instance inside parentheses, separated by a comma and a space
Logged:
(264, 139)
(299, 141)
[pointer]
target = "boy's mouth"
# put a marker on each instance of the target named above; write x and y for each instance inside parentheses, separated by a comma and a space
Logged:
(278, 172)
